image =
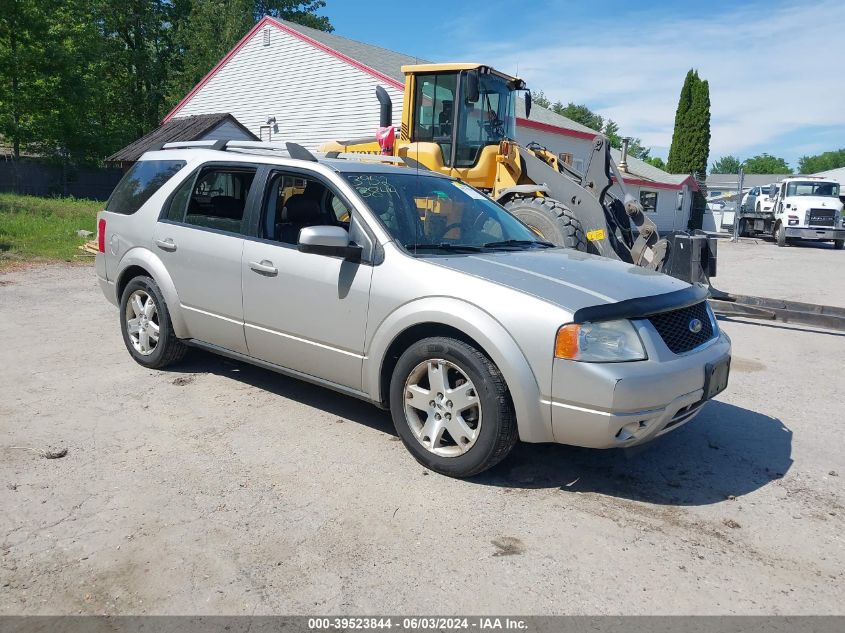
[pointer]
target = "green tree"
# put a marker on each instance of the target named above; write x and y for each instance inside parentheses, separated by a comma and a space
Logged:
(539, 98)
(656, 161)
(821, 162)
(24, 59)
(690, 148)
(581, 114)
(766, 164)
(726, 165)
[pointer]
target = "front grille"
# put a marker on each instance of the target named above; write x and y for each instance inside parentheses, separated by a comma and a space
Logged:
(821, 217)
(674, 327)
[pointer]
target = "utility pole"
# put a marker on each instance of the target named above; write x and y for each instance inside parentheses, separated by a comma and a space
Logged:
(741, 174)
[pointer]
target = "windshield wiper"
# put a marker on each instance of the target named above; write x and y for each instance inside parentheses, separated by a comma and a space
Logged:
(519, 243)
(444, 246)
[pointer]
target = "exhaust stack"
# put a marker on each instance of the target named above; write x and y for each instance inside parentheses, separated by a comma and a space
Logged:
(623, 164)
(386, 109)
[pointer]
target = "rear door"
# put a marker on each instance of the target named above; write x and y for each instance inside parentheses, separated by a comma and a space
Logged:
(199, 237)
(304, 311)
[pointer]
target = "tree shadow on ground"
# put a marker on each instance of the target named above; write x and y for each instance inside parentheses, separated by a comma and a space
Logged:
(725, 451)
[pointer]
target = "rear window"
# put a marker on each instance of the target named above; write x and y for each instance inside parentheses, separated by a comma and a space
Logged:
(142, 180)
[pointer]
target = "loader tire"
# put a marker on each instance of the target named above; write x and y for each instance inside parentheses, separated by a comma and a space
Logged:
(551, 220)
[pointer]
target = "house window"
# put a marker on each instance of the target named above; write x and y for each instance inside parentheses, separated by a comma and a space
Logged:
(565, 157)
(649, 201)
(267, 37)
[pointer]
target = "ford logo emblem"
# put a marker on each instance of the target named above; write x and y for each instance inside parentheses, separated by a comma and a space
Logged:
(695, 326)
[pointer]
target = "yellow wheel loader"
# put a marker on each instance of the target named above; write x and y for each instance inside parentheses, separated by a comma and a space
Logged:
(459, 120)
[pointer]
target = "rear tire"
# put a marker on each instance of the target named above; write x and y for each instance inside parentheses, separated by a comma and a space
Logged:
(146, 326)
(743, 228)
(551, 220)
(838, 244)
(780, 235)
(453, 431)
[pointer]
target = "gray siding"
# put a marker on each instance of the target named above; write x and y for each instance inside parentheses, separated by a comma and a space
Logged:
(314, 96)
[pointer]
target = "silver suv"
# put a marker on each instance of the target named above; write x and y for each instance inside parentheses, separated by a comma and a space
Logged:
(408, 289)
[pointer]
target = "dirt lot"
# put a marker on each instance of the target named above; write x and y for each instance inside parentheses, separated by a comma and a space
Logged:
(221, 488)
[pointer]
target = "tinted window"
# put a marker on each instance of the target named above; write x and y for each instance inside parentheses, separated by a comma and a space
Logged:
(218, 198)
(142, 180)
(178, 203)
(649, 201)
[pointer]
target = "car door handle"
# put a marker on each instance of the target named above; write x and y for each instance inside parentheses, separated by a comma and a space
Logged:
(264, 267)
(166, 245)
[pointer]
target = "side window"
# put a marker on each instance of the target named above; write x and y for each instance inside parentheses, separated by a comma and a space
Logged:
(138, 185)
(434, 116)
(293, 202)
(649, 201)
(218, 198)
(178, 204)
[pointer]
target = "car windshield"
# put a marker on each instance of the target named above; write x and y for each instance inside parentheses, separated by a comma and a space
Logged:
(432, 214)
(811, 188)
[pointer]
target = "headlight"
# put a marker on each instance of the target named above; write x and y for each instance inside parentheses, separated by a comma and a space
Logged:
(603, 342)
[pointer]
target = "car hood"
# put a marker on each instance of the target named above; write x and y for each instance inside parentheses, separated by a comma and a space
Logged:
(566, 278)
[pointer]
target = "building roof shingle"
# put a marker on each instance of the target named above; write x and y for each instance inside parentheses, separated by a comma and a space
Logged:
(190, 128)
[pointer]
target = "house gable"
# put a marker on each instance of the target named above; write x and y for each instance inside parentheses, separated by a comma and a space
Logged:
(294, 79)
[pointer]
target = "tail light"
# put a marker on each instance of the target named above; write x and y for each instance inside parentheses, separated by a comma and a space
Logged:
(101, 235)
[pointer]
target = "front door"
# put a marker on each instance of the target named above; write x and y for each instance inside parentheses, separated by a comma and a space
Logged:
(303, 311)
(199, 238)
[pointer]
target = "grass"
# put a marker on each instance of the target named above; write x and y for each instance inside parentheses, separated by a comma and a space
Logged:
(43, 228)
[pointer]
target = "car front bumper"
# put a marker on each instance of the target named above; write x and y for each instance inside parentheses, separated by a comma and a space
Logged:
(816, 234)
(611, 405)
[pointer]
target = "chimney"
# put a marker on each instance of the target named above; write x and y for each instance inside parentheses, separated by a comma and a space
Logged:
(623, 164)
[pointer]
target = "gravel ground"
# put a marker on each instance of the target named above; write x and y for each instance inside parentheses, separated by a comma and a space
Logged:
(219, 488)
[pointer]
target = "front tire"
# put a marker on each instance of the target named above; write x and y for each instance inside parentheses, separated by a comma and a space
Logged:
(838, 244)
(146, 326)
(780, 235)
(550, 219)
(451, 407)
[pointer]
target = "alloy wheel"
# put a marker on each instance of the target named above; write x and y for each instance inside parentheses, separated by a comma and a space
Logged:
(142, 322)
(442, 408)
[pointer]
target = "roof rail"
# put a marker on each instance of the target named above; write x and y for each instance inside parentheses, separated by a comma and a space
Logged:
(189, 144)
(293, 150)
(374, 158)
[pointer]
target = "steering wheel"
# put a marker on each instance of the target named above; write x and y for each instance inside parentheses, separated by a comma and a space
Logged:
(476, 224)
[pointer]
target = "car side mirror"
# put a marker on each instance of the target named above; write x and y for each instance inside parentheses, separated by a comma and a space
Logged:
(332, 241)
(473, 93)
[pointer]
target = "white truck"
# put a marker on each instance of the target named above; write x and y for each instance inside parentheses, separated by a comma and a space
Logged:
(807, 208)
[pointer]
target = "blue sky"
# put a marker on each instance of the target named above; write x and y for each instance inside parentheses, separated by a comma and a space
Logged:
(777, 80)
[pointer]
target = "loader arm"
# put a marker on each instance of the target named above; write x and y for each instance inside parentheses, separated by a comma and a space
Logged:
(604, 217)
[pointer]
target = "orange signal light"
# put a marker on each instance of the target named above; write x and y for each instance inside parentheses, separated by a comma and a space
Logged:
(566, 341)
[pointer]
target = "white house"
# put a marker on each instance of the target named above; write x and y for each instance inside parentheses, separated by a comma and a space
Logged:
(284, 81)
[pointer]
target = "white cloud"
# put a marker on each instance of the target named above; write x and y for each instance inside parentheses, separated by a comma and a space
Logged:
(771, 71)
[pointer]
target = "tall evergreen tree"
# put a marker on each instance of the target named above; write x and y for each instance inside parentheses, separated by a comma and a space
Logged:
(690, 148)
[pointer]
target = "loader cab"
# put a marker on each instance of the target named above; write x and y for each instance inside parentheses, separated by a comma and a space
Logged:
(461, 108)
